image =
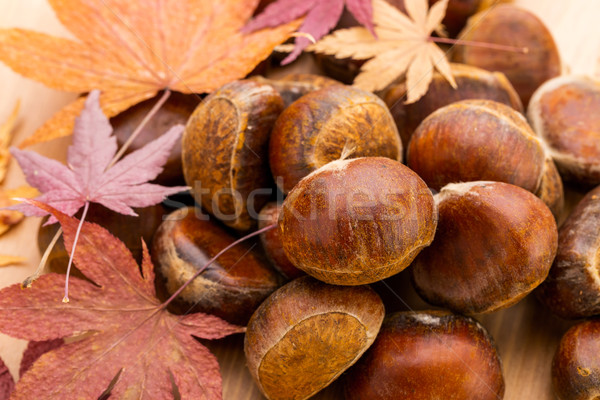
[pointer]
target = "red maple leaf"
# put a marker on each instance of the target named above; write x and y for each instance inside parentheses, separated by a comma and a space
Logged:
(88, 177)
(7, 383)
(321, 17)
(123, 333)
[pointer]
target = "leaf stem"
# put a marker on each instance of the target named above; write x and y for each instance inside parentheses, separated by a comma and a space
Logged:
(212, 260)
(140, 127)
(493, 46)
(30, 279)
(85, 210)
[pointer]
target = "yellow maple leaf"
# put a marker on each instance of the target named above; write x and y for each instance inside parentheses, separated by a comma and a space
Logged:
(130, 50)
(402, 47)
(8, 218)
(6, 133)
(6, 260)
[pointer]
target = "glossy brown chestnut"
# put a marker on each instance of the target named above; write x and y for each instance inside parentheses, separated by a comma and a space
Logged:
(231, 288)
(271, 241)
(130, 230)
(307, 333)
(293, 86)
(473, 140)
(428, 355)
(510, 25)
(472, 83)
(551, 190)
(357, 221)
(572, 289)
(225, 148)
(564, 113)
(327, 125)
(176, 110)
(494, 244)
(576, 364)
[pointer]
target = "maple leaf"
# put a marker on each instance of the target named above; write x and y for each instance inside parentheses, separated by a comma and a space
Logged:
(6, 260)
(7, 383)
(34, 350)
(86, 178)
(123, 330)
(321, 17)
(9, 218)
(6, 133)
(132, 49)
(402, 46)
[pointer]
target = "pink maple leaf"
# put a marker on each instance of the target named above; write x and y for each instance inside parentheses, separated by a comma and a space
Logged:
(321, 17)
(87, 177)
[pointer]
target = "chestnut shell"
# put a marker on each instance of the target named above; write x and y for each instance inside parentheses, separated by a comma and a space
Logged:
(572, 289)
(473, 140)
(472, 83)
(494, 244)
(307, 333)
(326, 125)
(510, 25)
(224, 151)
(357, 221)
(564, 113)
(231, 288)
(576, 363)
(428, 355)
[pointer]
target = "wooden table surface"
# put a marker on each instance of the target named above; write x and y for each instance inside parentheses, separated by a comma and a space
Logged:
(526, 334)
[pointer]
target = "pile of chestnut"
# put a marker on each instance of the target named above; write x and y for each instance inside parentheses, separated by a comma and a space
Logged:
(473, 214)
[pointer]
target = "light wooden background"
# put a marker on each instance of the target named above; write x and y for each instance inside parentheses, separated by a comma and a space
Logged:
(526, 334)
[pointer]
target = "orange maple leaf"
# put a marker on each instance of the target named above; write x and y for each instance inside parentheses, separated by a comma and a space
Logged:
(130, 50)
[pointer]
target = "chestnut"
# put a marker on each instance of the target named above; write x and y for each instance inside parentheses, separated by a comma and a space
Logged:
(293, 86)
(510, 25)
(271, 241)
(224, 151)
(576, 363)
(231, 288)
(328, 124)
(176, 110)
(572, 289)
(427, 355)
(357, 221)
(307, 333)
(564, 113)
(494, 244)
(551, 190)
(472, 83)
(130, 230)
(473, 140)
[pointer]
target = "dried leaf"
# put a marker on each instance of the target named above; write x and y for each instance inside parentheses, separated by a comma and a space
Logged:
(6, 260)
(321, 17)
(132, 49)
(34, 350)
(7, 383)
(127, 328)
(6, 133)
(402, 47)
(86, 179)
(9, 218)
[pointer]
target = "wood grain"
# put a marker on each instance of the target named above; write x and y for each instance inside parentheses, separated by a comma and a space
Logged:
(526, 334)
